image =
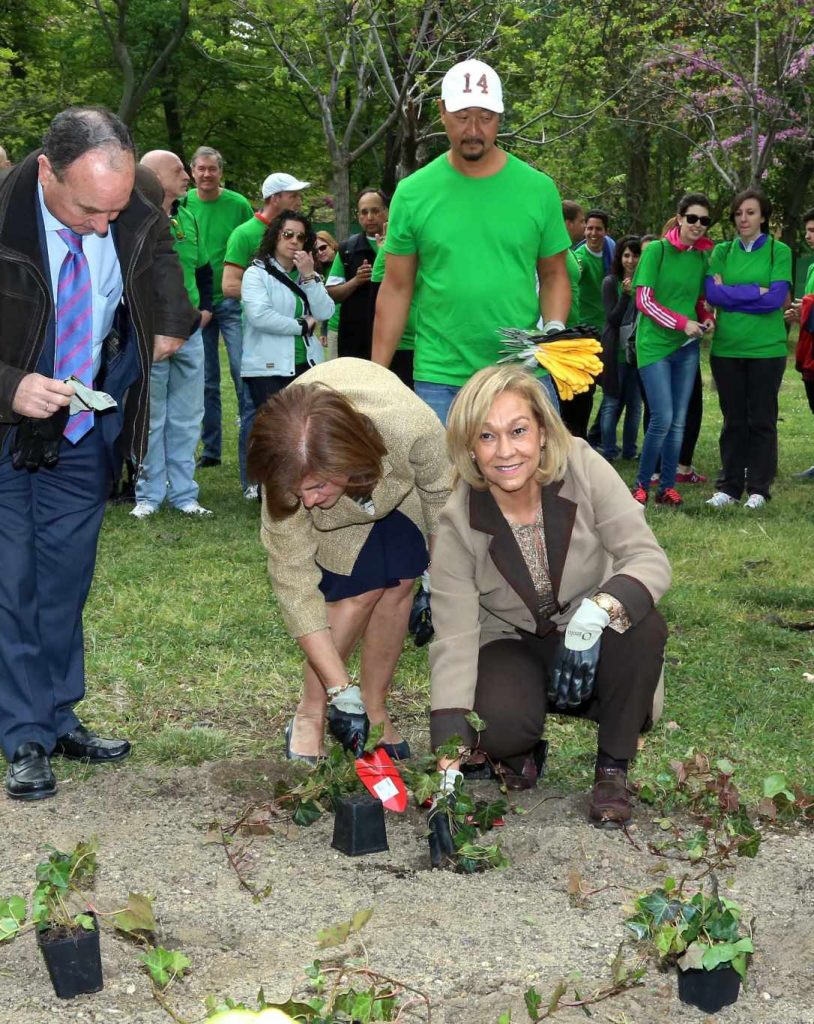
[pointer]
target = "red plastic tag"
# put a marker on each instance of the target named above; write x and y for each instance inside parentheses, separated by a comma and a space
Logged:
(382, 780)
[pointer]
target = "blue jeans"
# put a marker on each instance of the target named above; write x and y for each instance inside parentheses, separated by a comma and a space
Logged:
(668, 385)
(629, 399)
(227, 322)
(176, 411)
(439, 396)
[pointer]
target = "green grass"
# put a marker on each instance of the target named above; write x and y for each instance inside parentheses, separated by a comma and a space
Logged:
(187, 654)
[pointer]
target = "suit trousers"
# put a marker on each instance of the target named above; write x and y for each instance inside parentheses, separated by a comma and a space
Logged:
(49, 527)
(511, 695)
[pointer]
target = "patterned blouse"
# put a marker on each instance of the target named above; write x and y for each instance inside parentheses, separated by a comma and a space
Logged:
(530, 539)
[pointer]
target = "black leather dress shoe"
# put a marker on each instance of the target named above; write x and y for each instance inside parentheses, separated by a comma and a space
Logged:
(206, 461)
(80, 744)
(29, 775)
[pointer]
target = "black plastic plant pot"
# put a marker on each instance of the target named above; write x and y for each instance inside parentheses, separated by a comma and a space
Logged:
(709, 990)
(359, 825)
(73, 960)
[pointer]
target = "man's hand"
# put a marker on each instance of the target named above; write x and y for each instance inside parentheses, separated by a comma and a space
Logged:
(792, 314)
(165, 346)
(362, 275)
(206, 318)
(40, 397)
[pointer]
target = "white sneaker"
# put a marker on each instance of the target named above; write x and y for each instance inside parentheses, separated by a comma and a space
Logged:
(719, 499)
(192, 508)
(143, 509)
(252, 492)
(754, 501)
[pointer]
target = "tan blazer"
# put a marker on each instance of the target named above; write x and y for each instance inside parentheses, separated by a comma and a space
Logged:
(596, 539)
(416, 480)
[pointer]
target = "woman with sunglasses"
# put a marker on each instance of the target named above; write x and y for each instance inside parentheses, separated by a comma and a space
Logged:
(748, 280)
(324, 252)
(669, 285)
(283, 301)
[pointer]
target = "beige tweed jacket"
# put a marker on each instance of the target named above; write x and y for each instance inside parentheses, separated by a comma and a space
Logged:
(416, 480)
(596, 539)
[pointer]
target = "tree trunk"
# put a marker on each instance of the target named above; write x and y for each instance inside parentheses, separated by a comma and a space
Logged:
(341, 190)
(637, 182)
(172, 115)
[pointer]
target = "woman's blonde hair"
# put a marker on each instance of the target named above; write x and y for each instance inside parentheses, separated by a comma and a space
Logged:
(470, 410)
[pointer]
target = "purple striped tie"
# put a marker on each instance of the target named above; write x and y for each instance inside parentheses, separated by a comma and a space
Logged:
(74, 339)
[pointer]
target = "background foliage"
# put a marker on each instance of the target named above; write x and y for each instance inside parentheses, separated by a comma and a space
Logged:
(625, 105)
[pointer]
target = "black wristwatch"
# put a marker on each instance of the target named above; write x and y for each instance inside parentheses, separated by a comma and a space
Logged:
(303, 326)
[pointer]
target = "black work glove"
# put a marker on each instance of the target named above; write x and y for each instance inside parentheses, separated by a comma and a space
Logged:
(439, 837)
(573, 672)
(347, 720)
(37, 441)
(420, 624)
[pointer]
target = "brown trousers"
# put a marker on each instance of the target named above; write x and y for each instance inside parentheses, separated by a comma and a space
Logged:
(511, 695)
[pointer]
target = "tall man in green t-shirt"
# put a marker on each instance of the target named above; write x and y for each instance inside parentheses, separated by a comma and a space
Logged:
(218, 211)
(470, 234)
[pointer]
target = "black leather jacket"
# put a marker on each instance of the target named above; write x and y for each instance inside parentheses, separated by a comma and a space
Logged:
(155, 299)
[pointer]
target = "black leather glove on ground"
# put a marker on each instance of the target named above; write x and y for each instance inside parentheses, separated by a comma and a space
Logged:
(347, 720)
(439, 837)
(573, 672)
(38, 440)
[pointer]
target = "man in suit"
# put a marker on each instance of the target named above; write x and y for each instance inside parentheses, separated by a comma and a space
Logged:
(90, 291)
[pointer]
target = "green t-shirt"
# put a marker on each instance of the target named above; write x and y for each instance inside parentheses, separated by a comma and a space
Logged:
(750, 335)
(592, 274)
(217, 219)
(477, 241)
(190, 249)
(244, 242)
(677, 279)
(574, 270)
(809, 286)
(377, 276)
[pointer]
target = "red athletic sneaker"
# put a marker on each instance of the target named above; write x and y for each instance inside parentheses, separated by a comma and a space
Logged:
(693, 477)
(639, 494)
(670, 497)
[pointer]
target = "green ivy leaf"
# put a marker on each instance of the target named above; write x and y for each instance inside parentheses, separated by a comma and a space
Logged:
(335, 935)
(360, 919)
(306, 813)
(533, 1001)
(85, 921)
(137, 916)
(777, 784)
(474, 719)
(164, 965)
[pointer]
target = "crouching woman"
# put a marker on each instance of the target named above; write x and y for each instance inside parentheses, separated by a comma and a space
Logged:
(545, 577)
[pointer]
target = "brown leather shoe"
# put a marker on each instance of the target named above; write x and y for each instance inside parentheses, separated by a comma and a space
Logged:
(610, 799)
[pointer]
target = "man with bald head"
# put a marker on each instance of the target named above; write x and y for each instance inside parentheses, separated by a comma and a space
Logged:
(4, 160)
(91, 293)
(177, 383)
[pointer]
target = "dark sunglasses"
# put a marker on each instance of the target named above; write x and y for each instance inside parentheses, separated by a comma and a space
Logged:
(323, 247)
(288, 234)
(693, 218)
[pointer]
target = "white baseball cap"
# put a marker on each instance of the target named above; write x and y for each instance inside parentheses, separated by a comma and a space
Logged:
(472, 84)
(282, 182)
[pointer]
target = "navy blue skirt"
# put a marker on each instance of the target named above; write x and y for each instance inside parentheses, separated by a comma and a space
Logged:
(395, 550)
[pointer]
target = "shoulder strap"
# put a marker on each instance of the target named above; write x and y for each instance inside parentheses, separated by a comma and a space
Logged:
(291, 285)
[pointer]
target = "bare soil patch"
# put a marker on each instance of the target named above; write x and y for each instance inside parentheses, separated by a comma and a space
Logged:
(472, 943)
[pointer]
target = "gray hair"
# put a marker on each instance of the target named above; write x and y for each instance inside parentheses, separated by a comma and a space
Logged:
(78, 130)
(207, 151)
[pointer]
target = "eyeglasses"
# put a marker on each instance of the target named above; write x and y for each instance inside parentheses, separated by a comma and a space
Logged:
(322, 248)
(693, 218)
(288, 234)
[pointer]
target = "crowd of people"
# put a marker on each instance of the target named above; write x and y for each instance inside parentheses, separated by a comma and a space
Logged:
(387, 444)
